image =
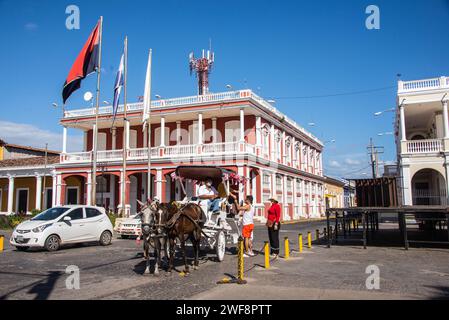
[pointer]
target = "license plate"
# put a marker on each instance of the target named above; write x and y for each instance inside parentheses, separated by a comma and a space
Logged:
(19, 238)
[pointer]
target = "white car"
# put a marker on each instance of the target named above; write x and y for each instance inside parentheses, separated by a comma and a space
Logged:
(128, 227)
(62, 225)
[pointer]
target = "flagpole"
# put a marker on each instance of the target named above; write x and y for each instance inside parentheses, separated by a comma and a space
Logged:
(93, 200)
(149, 184)
(125, 127)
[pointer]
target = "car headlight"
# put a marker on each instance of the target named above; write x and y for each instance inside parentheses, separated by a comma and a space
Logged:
(42, 227)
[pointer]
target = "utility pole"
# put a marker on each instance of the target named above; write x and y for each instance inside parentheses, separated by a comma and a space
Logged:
(373, 152)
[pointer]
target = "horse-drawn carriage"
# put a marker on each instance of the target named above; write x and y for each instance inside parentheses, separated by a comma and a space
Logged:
(221, 228)
(191, 219)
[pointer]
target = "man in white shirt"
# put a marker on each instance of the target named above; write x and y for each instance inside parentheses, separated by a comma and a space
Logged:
(207, 192)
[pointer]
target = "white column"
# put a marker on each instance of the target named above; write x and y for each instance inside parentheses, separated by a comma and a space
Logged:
(258, 131)
(214, 130)
(112, 187)
(127, 134)
(178, 132)
(93, 137)
(402, 118)
(241, 172)
(242, 125)
(64, 140)
(406, 186)
(54, 190)
(284, 150)
(10, 195)
(89, 189)
(272, 143)
(58, 189)
(284, 198)
(445, 120)
(159, 183)
(114, 138)
(38, 192)
(295, 200)
(273, 185)
(162, 144)
(200, 128)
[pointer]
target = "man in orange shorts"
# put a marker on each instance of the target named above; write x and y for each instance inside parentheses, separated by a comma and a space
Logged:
(248, 225)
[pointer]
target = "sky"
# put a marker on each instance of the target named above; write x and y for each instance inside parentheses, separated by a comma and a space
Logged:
(316, 59)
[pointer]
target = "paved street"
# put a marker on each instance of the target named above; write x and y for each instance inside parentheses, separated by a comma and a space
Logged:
(115, 272)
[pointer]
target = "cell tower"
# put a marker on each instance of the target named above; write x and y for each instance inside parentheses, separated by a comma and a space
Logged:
(202, 66)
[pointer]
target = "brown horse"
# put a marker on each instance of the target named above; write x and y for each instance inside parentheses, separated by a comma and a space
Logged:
(185, 224)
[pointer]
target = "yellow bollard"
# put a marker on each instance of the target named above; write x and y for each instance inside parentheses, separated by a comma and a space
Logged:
(267, 255)
(1, 242)
(286, 248)
(300, 242)
(240, 263)
(309, 240)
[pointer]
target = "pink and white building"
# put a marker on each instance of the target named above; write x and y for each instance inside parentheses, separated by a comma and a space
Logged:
(236, 130)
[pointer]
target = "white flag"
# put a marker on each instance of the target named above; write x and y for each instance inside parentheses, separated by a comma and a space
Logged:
(147, 94)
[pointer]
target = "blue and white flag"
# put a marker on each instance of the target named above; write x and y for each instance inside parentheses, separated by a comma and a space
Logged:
(117, 88)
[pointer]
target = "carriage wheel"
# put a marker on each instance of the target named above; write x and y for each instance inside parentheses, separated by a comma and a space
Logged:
(220, 245)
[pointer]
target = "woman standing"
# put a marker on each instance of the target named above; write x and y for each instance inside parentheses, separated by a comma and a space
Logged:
(274, 224)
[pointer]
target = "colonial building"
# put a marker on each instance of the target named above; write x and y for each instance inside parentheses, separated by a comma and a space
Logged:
(10, 151)
(27, 184)
(334, 193)
(236, 130)
(422, 139)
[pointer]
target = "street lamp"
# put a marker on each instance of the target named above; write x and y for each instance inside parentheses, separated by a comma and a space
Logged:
(157, 96)
(385, 133)
(378, 113)
(331, 141)
(312, 124)
(55, 105)
(229, 87)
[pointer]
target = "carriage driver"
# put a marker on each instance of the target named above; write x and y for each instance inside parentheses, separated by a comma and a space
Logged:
(207, 192)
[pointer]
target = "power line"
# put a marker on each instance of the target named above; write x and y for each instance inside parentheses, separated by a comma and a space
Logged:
(334, 94)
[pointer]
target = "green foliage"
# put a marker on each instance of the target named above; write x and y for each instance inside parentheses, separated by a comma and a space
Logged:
(35, 212)
(112, 217)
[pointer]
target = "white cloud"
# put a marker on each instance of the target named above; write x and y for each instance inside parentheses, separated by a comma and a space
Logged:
(334, 164)
(30, 135)
(351, 161)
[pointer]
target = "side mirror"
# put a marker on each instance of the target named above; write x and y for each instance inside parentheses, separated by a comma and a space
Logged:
(67, 219)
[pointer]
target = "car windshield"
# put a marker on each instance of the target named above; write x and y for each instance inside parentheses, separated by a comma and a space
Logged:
(50, 214)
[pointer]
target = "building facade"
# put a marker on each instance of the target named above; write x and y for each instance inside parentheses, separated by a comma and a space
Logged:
(10, 151)
(422, 139)
(27, 184)
(334, 193)
(236, 130)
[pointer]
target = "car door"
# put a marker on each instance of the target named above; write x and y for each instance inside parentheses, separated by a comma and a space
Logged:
(94, 222)
(75, 229)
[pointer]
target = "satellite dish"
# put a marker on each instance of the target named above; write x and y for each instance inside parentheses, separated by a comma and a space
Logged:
(88, 96)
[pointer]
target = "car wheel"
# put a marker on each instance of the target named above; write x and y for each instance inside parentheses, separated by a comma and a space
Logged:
(105, 238)
(52, 243)
(22, 248)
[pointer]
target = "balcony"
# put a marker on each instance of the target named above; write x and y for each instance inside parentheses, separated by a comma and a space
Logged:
(229, 96)
(423, 85)
(168, 152)
(423, 146)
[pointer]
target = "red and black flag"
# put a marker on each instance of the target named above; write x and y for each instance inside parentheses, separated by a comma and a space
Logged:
(85, 64)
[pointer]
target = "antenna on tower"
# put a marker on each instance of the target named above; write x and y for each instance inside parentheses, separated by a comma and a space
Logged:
(202, 66)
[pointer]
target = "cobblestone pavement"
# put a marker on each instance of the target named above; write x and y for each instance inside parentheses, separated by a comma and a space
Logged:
(115, 272)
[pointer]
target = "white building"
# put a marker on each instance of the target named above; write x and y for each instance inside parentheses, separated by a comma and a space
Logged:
(422, 140)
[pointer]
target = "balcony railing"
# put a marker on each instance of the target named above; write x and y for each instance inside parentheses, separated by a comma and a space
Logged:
(192, 100)
(424, 146)
(178, 151)
(424, 84)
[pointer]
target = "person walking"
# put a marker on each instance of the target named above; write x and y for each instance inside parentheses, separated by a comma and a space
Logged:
(273, 225)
